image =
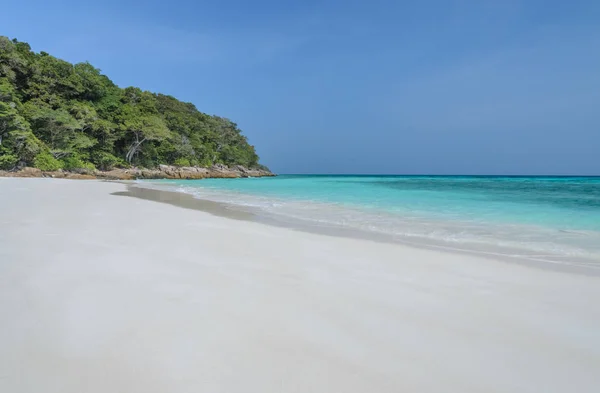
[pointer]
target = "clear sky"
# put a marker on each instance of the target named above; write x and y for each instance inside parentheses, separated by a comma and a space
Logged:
(344, 86)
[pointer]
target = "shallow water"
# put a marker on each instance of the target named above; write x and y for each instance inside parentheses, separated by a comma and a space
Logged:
(552, 219)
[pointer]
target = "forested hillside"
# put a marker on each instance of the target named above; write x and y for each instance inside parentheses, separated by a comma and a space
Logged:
(58, 115)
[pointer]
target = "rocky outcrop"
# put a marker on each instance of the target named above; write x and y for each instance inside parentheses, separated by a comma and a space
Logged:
(25, 172)
(162, 172)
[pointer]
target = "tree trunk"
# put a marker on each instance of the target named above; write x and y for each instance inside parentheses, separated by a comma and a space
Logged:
(133, 149)
(217, 150)
(59, 154)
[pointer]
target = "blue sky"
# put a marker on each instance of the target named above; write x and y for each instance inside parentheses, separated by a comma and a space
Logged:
(465, 87)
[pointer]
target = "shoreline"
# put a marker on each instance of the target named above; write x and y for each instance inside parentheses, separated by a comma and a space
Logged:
(162, 172)
(101, 293)
(237, 212)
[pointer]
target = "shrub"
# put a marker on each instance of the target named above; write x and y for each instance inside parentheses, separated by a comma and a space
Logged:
(74, 162)
(89, 166)
(26, 146)
(46, 162)
(205, 163)
(8, 161)
(182, 162)
(106, 161)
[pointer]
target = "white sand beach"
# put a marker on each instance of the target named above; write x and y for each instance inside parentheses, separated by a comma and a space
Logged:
(107, 293)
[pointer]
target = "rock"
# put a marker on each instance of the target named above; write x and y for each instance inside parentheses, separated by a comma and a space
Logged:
(162, 172)
(116, 174)
(55, 174)
(79, 176)
(219, 167)
(151, 174)
(83, 171)
(29, 172)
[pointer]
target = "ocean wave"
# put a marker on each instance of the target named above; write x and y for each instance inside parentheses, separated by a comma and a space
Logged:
(507, 239)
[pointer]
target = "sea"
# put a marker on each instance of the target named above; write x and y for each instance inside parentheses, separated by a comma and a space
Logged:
(553, 220)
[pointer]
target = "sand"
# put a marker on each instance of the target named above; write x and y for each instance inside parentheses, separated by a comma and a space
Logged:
(108, 293)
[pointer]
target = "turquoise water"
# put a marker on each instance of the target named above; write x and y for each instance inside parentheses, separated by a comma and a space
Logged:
(546, 218)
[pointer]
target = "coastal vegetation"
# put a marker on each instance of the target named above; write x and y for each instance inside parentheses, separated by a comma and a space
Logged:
(57, 115)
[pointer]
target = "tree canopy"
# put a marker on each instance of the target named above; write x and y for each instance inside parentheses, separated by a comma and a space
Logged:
(54, 114)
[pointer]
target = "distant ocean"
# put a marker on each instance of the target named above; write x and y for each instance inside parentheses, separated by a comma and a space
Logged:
(547, 219)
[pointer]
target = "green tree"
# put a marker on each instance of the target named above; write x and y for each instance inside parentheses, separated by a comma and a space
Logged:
(56, 127)
(54, 113)
(10, 120)
(142, 128)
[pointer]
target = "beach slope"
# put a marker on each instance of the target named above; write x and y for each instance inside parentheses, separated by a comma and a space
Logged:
(101, 292)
